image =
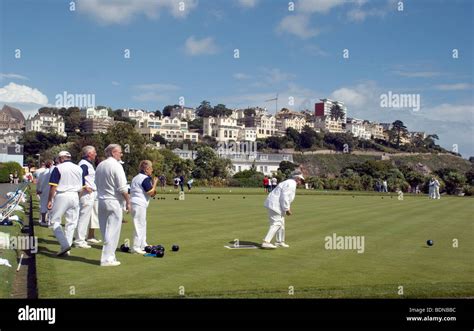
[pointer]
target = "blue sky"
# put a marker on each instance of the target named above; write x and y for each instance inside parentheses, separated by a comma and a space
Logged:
(297, 54)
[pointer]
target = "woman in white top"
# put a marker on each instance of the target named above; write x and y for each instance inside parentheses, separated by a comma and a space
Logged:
(142, 188)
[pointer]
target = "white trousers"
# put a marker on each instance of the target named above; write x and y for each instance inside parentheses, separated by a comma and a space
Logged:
(44, 202)
(110, 221)
(431, 192)
(436, 193)
(139, 222)
(277, 226)
(65, 204)
(87, 216)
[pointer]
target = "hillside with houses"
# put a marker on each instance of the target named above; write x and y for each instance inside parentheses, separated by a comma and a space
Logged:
(321, 142)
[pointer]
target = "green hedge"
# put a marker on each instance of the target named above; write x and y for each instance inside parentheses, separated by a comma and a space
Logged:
(8, 168)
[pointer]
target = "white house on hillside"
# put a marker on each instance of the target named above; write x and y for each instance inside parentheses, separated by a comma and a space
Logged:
(47, 123)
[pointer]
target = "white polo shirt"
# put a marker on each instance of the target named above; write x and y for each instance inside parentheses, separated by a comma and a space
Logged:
(67, 177)
(88, 172)
(141, 185)
(110, 180)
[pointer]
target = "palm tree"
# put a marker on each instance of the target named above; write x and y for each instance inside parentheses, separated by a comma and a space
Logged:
(337, 112)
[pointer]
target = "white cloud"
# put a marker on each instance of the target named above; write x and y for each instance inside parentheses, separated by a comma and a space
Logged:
(298, 25)
(315, 50)
(241, 76)
(452, 113)
(293, 96)
(195, 46)
(122, 12)
(454, 87)
(14, 93)
(359, 14)
(217, 14)
(452, 122)
(247, 3)
(157, 87)
(154, 92)
(417, 74)
(358, 96)
(266, 78)
(319, 6)
(12, 76)
(275, 75)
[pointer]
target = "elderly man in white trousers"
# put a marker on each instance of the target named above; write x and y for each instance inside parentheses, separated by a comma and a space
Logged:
(87, 200)
(112, 190)
(430, 188)
(142, 188)
(42, 189)
(436, 186)
(65, 184)
(278, 204)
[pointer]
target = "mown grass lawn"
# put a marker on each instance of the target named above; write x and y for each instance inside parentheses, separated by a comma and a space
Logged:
(395, 253)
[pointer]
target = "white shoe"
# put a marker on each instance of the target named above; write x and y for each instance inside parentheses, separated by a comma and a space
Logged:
(82, 245)
(282, 245)
(110, 264)
(268, 245)
(93, 241)
(63, 251)
(137, 252)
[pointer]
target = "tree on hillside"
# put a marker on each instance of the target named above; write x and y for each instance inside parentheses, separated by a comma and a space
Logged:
(72, 119)
(196, 124)
(470, 177)
(172, 165)
(275, 142)
(132, 142)
(429, 141)
(8, 168)
(398, 131)
(118, 116)
(209, 141)
(167, 109)
(209, 165)
(453, 180)
(414, 179)
(287, 167)
(373, 168)
(309, 137)
(337, 113)
(221, 110)
(158, 138)
(340, 141)
(293, 135)
(249, 112)
(204, 109)
(38, 142)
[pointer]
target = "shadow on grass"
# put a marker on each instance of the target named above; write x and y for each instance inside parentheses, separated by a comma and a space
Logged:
(55, 242)
(47, 252)
(47, 241)
(245, 243)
